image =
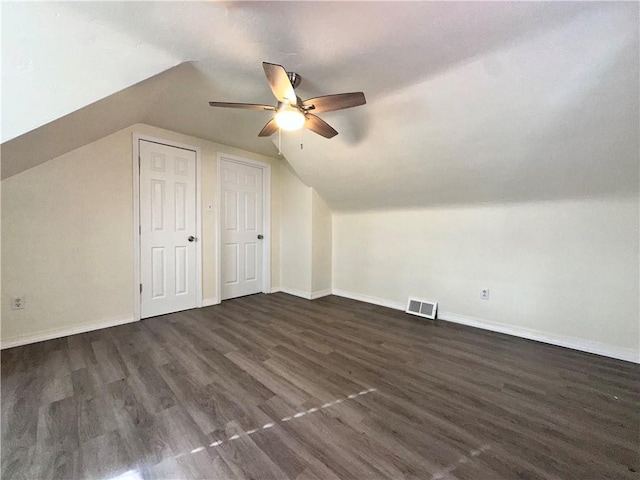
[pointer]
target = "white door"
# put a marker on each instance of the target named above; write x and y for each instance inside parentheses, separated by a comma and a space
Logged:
(241, 229)
(167, 229)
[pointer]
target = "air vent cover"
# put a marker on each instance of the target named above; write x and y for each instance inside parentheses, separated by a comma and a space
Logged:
(422, 308)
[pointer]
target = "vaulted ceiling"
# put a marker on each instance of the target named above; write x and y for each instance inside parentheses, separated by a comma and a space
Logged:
(467, 102)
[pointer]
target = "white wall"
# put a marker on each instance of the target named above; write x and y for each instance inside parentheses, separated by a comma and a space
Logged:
(553, 115)
(43, 45)
(564, 271)
(67, 235)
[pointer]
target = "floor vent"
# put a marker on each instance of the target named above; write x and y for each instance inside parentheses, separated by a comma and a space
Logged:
(422, 308)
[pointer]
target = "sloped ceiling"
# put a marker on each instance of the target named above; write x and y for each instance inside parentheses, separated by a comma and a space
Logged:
(467, 102)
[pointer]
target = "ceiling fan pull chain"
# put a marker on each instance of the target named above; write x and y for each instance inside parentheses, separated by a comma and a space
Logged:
(301, 138)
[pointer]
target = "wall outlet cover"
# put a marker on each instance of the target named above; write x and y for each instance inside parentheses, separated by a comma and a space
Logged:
(484, 294)
(17, 303)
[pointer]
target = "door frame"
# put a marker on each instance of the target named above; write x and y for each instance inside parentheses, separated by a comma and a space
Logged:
(266, 220)
(137, 137)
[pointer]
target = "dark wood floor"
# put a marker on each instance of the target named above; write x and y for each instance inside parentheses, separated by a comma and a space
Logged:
(279, 387)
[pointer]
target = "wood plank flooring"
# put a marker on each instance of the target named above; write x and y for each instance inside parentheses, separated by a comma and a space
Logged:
(277, 387)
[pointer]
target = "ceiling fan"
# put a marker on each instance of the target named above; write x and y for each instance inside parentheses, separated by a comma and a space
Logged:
(291, 112)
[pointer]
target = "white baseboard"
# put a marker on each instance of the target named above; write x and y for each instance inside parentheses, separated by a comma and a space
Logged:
(627, 354)
(275, 290)
(207, 302)
(296, 292)
(65, 331)
(383, 302)
(302, 293)
(320, 294)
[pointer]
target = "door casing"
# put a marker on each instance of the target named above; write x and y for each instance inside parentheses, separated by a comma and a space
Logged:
(137, 137)
(266, 220)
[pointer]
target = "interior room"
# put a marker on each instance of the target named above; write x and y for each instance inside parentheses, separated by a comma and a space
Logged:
(320, 240)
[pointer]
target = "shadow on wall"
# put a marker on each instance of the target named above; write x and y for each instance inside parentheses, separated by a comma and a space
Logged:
(358, 126)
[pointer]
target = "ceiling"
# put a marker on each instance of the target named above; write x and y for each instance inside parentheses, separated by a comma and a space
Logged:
(467, 101)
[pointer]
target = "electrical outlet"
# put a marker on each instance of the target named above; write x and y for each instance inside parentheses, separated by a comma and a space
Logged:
(17, 303)
(484, 294)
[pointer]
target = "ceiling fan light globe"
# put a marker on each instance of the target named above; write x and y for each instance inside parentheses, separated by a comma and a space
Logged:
(290, 119)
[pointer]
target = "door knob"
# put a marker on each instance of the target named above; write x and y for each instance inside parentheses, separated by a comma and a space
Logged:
(260, 237)
(191, 238)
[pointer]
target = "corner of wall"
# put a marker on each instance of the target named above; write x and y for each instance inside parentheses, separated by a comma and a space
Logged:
(306, 236)
(321, 239)
(295, 232)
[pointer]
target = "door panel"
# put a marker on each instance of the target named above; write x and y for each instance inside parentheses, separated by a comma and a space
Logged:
(232, 264)
(250, 261)
(167, 219)
(242, 222)
(157, 273)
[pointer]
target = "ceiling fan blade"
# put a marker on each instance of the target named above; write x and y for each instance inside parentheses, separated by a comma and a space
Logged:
(279, 82)
(269, 129)
(248, 106)
(339, 101)
(319, 126)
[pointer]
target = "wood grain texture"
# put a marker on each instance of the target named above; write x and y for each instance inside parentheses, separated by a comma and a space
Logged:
(274, 386)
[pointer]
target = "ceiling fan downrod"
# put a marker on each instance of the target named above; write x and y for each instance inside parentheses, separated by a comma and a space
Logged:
(294, 78)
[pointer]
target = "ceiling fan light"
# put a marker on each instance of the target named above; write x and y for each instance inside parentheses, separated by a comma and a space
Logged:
(290, 118)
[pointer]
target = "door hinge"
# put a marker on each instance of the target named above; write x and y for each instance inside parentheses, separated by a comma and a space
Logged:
(138, 161)
(139, 229)
(140, 288)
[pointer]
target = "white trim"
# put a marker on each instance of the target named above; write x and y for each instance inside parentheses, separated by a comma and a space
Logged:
(320, 294)
(302, 293)
(295, 292)
(199, 242)
(65, 331)
(136, 225)
(208, 302)
(627, 354)
(275, 290)
(137, 137)
(266, 220)
(369, 299)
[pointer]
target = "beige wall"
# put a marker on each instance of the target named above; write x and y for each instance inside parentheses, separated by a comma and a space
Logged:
(320, 245)
(67, 234)
(296, 228)
(564, 271)
(305, 238)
